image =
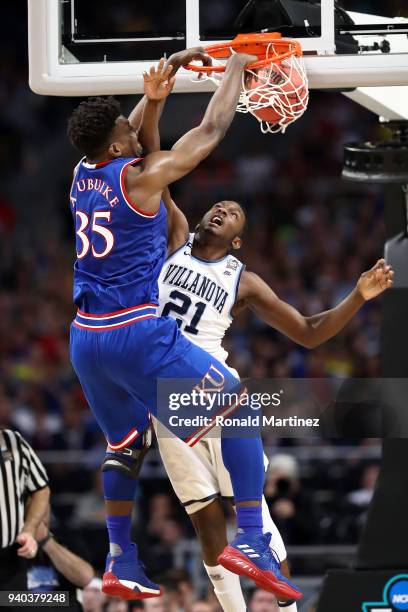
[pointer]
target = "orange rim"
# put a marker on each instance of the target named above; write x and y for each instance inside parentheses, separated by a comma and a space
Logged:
(269, 47)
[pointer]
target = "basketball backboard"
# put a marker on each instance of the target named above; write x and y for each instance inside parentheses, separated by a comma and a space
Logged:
(103, 47)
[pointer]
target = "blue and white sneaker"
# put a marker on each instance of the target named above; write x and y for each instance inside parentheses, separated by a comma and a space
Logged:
(250, 555)
(124, 577)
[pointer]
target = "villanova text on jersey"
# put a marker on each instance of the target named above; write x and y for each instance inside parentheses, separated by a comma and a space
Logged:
(196, 283)
(199, 295)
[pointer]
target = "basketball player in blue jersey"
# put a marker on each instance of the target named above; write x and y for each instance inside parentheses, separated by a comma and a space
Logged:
(204, 309)
(119, 347)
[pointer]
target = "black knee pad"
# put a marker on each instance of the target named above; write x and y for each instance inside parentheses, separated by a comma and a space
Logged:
(128, 460)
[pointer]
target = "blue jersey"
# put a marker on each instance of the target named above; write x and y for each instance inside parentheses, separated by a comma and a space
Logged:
(120, 249)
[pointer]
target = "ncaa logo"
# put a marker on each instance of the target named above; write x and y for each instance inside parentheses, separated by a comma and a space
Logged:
(395, 596)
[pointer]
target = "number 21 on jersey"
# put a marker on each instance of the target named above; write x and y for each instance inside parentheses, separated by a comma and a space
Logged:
(182, 307)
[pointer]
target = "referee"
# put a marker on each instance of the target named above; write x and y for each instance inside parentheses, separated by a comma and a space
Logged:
(24, 498)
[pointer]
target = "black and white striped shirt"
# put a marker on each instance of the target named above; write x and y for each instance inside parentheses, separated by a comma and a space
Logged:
(21, 473)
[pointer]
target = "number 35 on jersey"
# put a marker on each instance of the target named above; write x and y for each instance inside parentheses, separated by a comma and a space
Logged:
(96, 225)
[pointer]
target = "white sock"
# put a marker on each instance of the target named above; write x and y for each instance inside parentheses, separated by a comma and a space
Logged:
(291, 608)
(227, 589)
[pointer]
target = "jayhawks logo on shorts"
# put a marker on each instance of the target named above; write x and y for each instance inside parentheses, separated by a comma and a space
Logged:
(395, 596)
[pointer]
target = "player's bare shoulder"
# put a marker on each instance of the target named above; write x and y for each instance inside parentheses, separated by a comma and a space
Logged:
(245, 289)
(141, 190)
(248, 285)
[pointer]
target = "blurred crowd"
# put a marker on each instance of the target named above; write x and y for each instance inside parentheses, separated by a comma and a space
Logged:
(182, 597)
(309, 235)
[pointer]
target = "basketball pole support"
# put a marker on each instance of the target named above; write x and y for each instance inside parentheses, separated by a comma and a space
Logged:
(382, 553)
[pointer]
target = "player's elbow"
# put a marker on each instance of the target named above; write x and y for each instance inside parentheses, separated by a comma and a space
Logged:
(310, 338)
(212, 131)
(310, 342)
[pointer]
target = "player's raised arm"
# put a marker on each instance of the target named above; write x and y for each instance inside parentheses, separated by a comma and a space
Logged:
(197, 144)
(165, 167)
(317, 329)
(158, 84)
(177, 223)
(176, 60)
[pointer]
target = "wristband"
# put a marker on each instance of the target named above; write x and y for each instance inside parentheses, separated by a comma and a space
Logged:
(42, 542)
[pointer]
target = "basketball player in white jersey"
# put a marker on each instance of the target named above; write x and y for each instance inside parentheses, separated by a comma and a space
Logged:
(203, 286)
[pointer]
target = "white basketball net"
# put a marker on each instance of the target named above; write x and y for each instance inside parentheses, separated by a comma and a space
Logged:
(281, 87)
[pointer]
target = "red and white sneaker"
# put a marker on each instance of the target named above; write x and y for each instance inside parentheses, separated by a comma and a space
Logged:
(250, 555)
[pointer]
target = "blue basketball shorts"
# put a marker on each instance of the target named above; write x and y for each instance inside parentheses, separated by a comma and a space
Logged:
(118, 368)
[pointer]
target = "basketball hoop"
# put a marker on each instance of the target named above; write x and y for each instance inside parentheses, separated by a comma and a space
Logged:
(275, 88)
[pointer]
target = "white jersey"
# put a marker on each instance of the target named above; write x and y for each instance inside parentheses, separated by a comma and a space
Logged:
(199, 295)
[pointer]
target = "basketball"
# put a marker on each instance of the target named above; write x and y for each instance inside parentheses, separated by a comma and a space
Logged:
(279, 94)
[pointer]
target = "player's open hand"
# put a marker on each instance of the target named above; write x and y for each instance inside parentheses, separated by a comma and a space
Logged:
(28, 545)
(158, 82)
(376, 280)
